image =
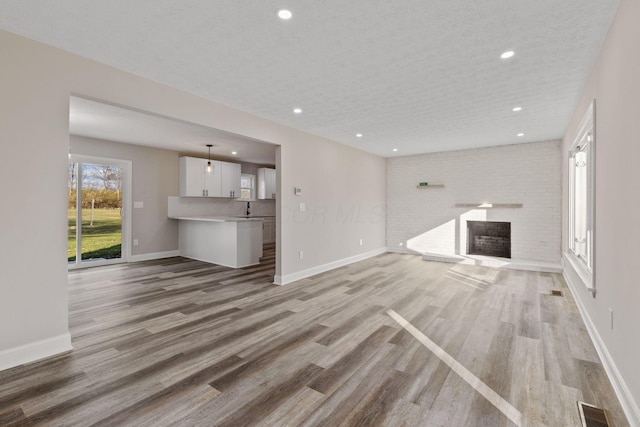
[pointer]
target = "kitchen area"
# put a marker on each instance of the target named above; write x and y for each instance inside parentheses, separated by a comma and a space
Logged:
(225, 210)
(194, 191)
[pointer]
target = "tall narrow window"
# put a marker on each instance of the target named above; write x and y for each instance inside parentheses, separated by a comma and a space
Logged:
(247, 187)
(581, 199)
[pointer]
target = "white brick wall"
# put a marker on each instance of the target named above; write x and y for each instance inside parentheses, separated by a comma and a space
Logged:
(425, 220)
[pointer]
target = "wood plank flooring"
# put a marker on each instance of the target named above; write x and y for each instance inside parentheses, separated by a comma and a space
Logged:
(181, 342)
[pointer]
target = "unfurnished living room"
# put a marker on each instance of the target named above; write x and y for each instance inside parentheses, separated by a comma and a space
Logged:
(319, 213)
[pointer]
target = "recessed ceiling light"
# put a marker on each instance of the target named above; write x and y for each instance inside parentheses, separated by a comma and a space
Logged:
(507, 54)
(297, 110)
(395, 149)
(234, 152)
(520, 134)
(284, 14)
(358, 135)
(516, 109)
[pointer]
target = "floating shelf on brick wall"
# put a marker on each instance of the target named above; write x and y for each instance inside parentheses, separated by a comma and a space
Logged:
(489, 205)
(430, 186)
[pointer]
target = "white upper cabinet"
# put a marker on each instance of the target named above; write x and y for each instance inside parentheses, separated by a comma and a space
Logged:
(192, 177)
(213, 179)
(266, 183)
(230, 179)
(196, 181)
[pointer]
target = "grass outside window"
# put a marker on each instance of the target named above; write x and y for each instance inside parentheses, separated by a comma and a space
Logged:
(103, 240)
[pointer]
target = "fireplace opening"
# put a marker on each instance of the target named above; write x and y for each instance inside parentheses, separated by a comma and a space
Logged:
(489, 238)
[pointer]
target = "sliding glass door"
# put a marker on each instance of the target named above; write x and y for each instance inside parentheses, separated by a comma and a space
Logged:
(97, 211)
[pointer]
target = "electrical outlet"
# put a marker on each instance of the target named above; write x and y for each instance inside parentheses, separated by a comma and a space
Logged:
(301, 254)
(135, 242)
(302, 207)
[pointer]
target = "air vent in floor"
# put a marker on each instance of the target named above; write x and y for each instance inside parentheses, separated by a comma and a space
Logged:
(592, 416)
(556, 293)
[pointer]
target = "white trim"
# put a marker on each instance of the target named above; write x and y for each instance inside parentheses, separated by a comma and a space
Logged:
(586, 131)
(299, 275)
(154, 255)
(581, 270)
(627, 401)
(31, 352)
(93, 263)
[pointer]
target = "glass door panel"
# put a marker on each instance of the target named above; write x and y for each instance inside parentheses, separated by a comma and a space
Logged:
(95, 215)
(101, 231)
(72, 193)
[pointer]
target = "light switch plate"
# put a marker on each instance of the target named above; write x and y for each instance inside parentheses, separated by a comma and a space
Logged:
(138, 205)
(302, 207)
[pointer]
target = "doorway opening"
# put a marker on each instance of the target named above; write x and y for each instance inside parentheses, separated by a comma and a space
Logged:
(98, 206)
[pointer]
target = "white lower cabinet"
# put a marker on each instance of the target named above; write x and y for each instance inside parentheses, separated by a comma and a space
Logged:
(232, 243)
(269, 230)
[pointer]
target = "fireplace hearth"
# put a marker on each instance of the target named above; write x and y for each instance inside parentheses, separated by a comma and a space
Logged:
(489, 238)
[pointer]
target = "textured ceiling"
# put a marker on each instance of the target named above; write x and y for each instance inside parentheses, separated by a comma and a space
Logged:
(420, 76)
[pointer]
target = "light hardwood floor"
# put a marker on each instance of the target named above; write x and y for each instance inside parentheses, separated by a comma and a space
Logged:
(181, 342)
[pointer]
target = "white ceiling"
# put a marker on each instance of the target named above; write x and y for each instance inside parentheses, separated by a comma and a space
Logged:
(420, 76)
(114, 123)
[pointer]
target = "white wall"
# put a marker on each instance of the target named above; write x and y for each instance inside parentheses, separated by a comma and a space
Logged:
(341, 193)
(426, 220)
(155, 177)
(615, 85)
(36, 83)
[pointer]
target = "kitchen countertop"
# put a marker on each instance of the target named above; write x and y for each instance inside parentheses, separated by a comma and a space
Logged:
(217, 218)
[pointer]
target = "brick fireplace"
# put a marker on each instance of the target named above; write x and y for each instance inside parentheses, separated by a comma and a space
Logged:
(490, 238)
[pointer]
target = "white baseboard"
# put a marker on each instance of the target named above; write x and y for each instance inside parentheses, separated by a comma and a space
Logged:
(154, 255)
(628, 403)
(34, 351)
(299, 275)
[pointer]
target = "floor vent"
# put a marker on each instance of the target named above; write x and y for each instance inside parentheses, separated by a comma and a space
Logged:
(592, 416)
(556, 293)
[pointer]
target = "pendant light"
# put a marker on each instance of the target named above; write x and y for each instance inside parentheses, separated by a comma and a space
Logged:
(209, 162)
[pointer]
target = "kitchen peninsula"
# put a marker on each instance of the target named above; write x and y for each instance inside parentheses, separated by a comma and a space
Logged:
(230, 241)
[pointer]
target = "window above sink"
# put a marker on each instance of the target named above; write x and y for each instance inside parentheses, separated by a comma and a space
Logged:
(247, 188)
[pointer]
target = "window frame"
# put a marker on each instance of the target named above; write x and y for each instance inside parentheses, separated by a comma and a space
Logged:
(583, 261)
(252, 189)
